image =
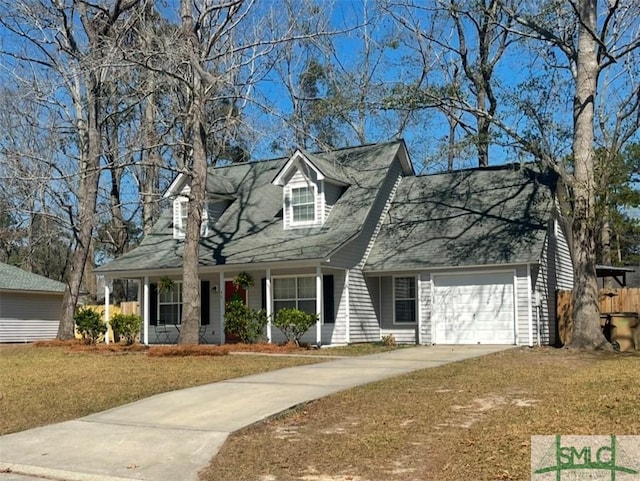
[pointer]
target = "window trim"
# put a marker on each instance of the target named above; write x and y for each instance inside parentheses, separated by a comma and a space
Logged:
(314, 192)
(180, 221)
(180, 303)
(297, 299)
(415, 299)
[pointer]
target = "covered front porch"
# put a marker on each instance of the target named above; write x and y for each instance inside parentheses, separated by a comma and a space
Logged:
(316, 289)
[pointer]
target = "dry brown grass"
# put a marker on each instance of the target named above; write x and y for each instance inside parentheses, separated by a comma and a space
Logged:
(61, 381)
(468, 420)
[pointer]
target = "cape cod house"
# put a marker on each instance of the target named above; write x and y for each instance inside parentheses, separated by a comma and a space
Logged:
(473, 256)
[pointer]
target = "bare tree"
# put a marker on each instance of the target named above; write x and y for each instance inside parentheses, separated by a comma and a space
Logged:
(592, 40)
(74, 43)
(462, 43)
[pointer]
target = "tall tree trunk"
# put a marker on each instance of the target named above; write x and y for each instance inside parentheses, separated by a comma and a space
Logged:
(151, 168)
(87, 198)
(483, 129)
(191, 281)
(586, 331)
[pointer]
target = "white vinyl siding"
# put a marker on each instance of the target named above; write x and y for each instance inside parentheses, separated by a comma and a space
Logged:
(26, 317)
(363, 325)
(425, 308)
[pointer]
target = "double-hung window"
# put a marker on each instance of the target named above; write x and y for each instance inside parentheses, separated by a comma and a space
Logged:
(170, 304)
(181, 217)
(404, 294)
(294, 293)
(303, 204)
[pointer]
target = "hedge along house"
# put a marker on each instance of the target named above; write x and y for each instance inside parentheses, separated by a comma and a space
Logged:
(30, 305)
(355, 237)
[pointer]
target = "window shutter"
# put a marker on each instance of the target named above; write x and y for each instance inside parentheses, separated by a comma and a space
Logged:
(205, 297)
(327, 297)
(153, 304)
(263, 292)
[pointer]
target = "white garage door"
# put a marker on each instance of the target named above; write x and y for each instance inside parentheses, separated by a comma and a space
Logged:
(474, 308)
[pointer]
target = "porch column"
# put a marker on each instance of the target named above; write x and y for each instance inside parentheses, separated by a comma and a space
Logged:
(319, 305)
(145, 311)
(221, 294)
(107, 300)
(268, 304)
(347, 311)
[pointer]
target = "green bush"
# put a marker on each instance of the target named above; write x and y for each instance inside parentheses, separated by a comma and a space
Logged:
(294, 323)
(125, 327)
(243, 322)
(90, 325)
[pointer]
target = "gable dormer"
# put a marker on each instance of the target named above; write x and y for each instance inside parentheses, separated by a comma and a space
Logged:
(214, 207)
(310, 186)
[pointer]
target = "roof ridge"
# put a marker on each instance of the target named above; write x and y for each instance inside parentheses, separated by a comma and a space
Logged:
(489, 168)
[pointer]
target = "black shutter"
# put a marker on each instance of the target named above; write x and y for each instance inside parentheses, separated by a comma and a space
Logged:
(205, 296)
(153, 304)
(263, 292)
(327, 296)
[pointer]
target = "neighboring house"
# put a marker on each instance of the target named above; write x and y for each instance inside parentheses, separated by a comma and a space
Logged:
(355, 236)
(30, 305)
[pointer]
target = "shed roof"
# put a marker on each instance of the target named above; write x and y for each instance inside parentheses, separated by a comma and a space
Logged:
(470, 217)
(15, 279)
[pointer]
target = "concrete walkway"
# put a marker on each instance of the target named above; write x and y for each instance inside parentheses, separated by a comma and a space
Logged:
(173, 435)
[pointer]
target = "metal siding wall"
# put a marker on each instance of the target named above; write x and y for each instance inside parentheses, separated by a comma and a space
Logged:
(364, 323)
(29, 317)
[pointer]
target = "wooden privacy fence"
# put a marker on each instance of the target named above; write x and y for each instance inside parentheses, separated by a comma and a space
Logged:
(610, 300)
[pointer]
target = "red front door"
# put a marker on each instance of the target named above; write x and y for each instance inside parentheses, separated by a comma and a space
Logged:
(231, 292)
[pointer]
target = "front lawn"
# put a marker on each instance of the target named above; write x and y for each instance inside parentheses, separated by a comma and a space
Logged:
(467, 420)
(44, 385)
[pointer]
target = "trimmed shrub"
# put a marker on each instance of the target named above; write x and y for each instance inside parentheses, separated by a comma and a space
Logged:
(90, 325)
(294, 323)
(125, 327)
(244, 323)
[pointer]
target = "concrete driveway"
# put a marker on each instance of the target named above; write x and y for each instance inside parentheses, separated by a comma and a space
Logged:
(173, 435)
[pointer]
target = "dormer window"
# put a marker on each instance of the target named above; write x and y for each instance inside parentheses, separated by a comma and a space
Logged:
(181, 215)
(303, 205)
(311, 185)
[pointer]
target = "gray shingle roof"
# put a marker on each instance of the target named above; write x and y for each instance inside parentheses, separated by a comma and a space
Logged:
(250, 230)
(16, 279)
(473, 217)
(329, 166)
